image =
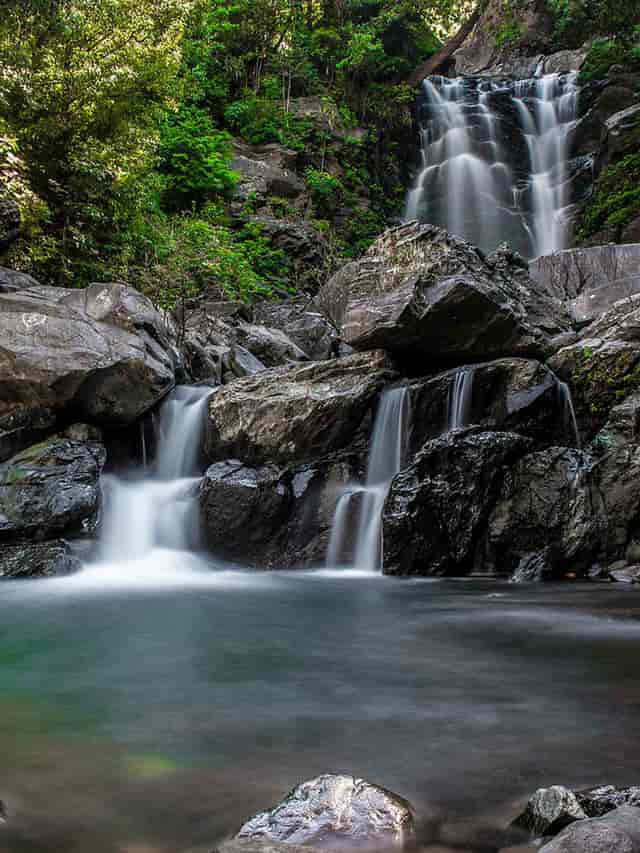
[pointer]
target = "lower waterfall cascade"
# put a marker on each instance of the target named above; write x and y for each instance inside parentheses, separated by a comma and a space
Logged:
(155, 510)
(494, 160)
(357, 523)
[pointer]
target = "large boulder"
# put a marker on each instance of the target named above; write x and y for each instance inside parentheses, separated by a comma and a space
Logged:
(335, 810)
(548, 517)
(511, 394)
(102, 354)
(304, 324)
(438, 506)
(37, 560)
(596, 802)
(616, 832)
(549, 810)
(50, 489)
(294, 414)
(266, 170)
(272, 516)
(430, 298)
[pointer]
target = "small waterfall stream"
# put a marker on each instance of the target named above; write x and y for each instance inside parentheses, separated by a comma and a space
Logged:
(150, 519)
(357, 523)
(459, 399)
(494, 160)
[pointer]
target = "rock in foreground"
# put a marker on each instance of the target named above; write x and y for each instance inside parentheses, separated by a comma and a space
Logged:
(616, 832)
(549, 810)
(37, 560)
(334, 810)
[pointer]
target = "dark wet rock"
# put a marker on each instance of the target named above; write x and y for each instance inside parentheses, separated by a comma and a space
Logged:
(243, 509)
(293, 414)
(335, 810)
(102, 354)
(271, 346)
(239, 362)
(49, 489)
(37, 560)
(430, 298)
(10, 221)
(22, 427)
(303, 245)
(616, 832)
(549, 810)
(548, 519)
(599, 801)
(618, 489)
(510, 394)
(625, 574)
(301, 321)
(438, 506)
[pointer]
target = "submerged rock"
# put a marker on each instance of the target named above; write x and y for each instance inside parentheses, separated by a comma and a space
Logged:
(49, 489)
(294, 414)
(423, 294)
(102, 354)
(334, 810)
(549, 810)
(37, 560)
(438, 506)
(616, 832)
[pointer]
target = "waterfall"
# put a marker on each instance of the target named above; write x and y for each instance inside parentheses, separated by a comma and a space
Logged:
(459, 399)
(494, 160)
(155, 511)
(569, 413)
(357, 523)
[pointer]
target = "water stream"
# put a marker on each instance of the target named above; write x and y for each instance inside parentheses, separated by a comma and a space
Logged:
(494, 160)
(357, 524)
(459, 399)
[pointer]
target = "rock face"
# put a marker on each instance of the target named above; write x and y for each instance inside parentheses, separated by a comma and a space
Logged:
(547, 512)
(427, 296)
(101, 354)
(300, 320)
(266, 170)
(599, 801)
(616, 832)
(510, 394)
(294, 414)
(335, 810)
(549, 810)
(50, 489)
(37, 560)
(437, 507)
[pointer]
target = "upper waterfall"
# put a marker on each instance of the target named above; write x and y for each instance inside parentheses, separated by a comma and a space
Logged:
(494, 160)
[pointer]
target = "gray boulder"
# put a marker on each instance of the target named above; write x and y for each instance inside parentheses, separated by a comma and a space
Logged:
(271, 346)
(37, 560)
(266, 170)
(50, 489)
(547, 519)
(437, 508)
(294, 414)
(427, 296)
(549, 810)
(303, 323)
(335, 809)
(102, 354)
(616, 832)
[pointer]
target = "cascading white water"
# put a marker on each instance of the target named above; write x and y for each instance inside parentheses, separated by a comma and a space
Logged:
(494, 160)
(151, 519)
(459, 399)
(569, 412)
(357, 523)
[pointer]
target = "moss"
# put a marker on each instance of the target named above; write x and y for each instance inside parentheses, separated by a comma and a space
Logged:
(601, 382)
(616, 200)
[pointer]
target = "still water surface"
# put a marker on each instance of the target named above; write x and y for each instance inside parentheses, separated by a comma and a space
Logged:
(155, 719)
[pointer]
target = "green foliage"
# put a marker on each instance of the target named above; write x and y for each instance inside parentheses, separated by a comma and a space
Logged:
(599, 382)
(607, 52)
(326, 190)
(617, 198)
(195, 158)
(576, 21)
(509, 33)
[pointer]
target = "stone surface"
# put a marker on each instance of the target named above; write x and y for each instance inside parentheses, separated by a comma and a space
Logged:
(437, 508)
(266, 170)
(302, 244)
(294, 414)
(599, 801)
(300, 320)
(616, 832)
(427, 296)
(511, 394)
(335, 809)
(49, 489)
(102, 354)
(549, 810)
(258, 845)
(547, 519)
(36, 560)
(566, 275)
